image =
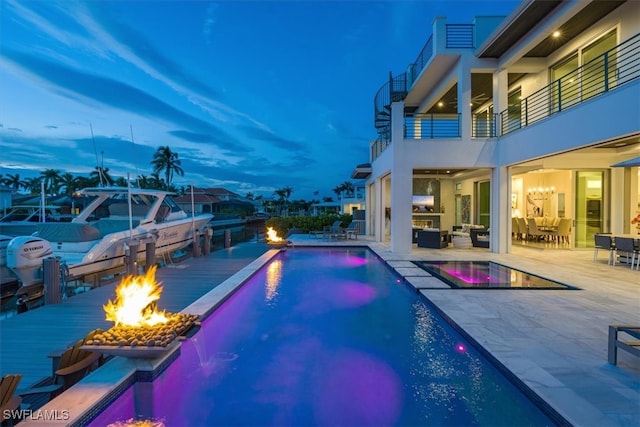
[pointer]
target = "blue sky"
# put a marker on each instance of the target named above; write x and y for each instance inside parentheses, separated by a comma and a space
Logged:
(253, 96)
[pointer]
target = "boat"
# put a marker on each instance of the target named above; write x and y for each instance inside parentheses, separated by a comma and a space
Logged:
(99, 238)
(8, 282)
(23, 220)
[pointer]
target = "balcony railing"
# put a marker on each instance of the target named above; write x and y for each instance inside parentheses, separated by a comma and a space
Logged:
(420, 62)
(458, 36)
(484, 125)
(607, 72)
(378, 146)
(430, 126)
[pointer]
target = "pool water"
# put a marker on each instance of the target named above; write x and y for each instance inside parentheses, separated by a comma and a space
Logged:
(486, 275)
(326, 337)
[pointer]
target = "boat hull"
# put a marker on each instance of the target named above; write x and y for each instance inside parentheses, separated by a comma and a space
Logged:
(83, 258)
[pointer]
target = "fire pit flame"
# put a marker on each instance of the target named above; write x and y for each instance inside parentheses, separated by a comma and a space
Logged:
(135, 302)
(272, 236)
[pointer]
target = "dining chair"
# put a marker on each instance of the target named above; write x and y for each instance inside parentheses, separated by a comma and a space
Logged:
(627, 246)
(563, 231)
(535, 232)
(604, 241)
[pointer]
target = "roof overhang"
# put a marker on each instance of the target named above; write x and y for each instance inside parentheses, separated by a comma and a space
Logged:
(579, 16)
(627, 163)
(361, 171)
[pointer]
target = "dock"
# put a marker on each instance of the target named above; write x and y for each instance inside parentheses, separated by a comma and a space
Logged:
(27, 339)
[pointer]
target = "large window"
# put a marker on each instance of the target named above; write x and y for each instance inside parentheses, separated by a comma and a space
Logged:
(584, 74)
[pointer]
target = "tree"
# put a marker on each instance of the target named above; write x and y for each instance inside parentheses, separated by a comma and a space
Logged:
(348, 187)
(50, 177)
(166, 160)
(100, 176)
(33, 185)
(14, 182)
(69, 183)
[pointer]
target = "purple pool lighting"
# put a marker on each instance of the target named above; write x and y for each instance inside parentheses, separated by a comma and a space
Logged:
(314, 338)
(486, 275)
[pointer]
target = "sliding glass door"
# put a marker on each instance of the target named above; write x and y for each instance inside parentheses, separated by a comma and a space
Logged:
(590, 207)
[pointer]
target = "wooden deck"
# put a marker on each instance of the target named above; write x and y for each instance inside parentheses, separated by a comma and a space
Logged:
(27, 339)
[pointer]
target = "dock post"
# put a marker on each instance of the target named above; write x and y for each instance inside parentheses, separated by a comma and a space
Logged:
(207, 240)
(132, 257)
(227, 239)
(150, 259)
(51, 276)
(196, 244)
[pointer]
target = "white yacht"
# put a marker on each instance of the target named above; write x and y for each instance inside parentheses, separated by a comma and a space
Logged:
(98, 238)
(21, 220)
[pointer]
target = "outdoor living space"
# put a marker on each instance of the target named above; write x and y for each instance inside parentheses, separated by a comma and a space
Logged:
(554, 341)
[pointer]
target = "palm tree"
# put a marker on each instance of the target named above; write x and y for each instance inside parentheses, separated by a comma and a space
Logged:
(348, 187)
(121, 181)
(51, 178)
(14, 182)
(33, 185)
(166, 160)
(100, 176)
(69, 183)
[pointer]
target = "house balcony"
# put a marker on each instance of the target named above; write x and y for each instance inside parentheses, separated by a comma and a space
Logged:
(608, 72)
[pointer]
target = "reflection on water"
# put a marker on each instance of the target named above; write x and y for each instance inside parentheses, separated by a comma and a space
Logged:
(274, 276)
(336, 341)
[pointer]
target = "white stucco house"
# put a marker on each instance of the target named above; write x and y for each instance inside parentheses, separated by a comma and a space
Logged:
(509, 117)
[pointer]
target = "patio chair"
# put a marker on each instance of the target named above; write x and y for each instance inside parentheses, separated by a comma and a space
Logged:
(351, 230)
(627, 246)
(333, 230)
(73, 364)
(9, 400)
(603, 241)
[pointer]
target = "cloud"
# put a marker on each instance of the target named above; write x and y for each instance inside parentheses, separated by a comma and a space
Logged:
(269, 136)
(77, 84)
(142, 49)
(209, 21)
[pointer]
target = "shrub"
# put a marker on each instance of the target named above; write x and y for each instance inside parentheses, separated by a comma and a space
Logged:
(305, 224)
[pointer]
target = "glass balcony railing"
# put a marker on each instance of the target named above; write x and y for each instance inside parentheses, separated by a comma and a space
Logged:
(609, 71)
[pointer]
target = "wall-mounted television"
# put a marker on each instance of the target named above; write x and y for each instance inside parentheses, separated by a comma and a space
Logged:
(423, 203)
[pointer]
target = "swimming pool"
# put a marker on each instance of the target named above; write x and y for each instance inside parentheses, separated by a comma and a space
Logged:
(486, 275)
(326, 337)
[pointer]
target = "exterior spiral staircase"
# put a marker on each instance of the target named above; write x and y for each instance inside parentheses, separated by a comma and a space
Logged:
(392, 91)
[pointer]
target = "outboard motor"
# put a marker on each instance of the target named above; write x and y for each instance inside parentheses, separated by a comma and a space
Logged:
(25, 255)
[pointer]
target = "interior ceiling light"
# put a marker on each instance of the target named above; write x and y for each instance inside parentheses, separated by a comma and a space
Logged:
(440, 104)
(556, 34)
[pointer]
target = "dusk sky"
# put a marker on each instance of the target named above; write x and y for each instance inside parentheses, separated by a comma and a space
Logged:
(253, 96)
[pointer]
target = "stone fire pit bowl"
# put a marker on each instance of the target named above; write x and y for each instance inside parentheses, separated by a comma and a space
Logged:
(144, 341)
(279, 245)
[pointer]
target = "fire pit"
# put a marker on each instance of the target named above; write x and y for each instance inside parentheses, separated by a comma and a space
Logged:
(140, 330)
(274, 240)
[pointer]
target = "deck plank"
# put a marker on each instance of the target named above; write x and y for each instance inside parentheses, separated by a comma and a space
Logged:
(27, 339)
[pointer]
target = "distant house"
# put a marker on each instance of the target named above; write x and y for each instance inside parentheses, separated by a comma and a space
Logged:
(217, 201)
(5, 197)
(351, 201)
(324, 208)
